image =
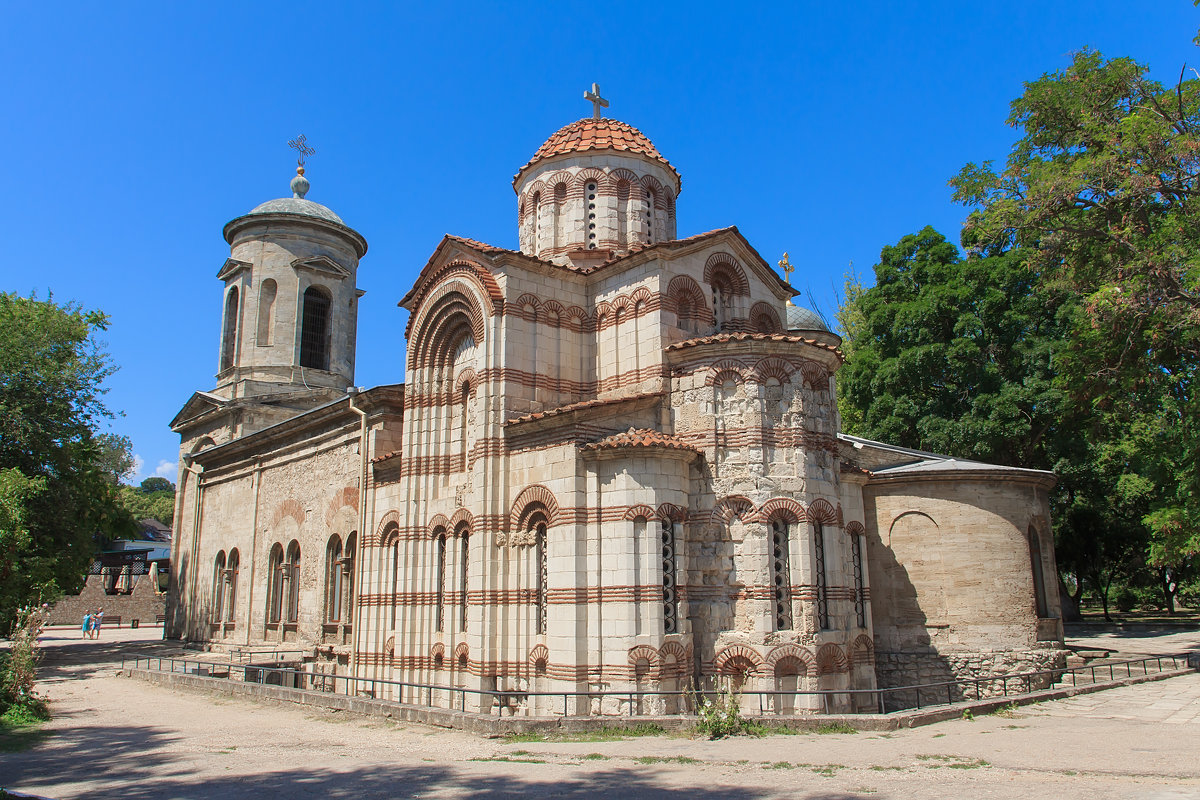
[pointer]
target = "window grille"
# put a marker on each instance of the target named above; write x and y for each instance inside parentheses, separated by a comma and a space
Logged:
(441, 583)
(670, 595)
(822, 591)
(860, 600)
(543, 575)
(314, 333)
(781, 575)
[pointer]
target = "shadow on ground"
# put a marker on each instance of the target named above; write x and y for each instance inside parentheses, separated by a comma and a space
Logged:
(129, 762)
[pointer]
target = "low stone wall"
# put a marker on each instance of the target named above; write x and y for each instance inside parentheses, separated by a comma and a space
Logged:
(894, 669)
(144, 604)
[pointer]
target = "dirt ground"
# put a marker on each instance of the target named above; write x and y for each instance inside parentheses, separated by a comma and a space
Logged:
(116, 737)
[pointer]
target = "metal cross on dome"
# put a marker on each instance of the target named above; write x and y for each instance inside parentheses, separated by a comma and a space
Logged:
(597, 101)
(786, 266)
(300, 145)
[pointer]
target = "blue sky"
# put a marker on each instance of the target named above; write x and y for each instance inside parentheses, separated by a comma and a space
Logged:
(133, 131)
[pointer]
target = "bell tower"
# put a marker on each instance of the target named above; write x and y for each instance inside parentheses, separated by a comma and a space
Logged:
(290, 298)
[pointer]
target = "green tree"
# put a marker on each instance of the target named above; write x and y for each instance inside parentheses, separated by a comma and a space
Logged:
(1100, 191)
(154, 498)
(58, 490)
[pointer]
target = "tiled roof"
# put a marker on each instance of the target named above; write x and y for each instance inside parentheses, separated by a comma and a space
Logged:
(596, 134)
(640, 437)
(746, 336)
(580, 406)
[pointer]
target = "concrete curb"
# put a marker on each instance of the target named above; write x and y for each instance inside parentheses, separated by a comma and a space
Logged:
(492, 727)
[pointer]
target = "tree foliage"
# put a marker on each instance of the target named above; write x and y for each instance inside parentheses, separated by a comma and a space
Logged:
(58, 490)
(154, 498)
(1101, 190)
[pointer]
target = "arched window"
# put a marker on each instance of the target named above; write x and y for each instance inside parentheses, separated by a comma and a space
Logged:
(229, 331)
(349, 559)
(1039, 585)
(334, 585)
(535, 210)
(395, 588)
(440, 617)
(860, 595)
(781, 574)
(669, 569)
(218, 592)
(291, 575)
(722, 291)
(819, 576)
(651, 219)
(314, 331)
(464, 560)
(266, 312)
(231, 572)
(560, 213)
(537, 526)
(275, 573)
(591, 214)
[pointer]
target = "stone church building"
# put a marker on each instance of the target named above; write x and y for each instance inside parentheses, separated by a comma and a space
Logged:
(614, 463)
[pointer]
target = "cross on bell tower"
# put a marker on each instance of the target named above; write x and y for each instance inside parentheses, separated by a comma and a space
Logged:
(597, 101)
(786, 267)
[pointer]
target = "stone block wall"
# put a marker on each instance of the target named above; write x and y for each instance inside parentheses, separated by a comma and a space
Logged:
(144, 604)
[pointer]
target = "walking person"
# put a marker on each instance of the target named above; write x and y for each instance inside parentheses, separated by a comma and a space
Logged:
(97, 618)
(87, 623)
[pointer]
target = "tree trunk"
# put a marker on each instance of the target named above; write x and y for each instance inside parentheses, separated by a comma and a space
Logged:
(1069, 604)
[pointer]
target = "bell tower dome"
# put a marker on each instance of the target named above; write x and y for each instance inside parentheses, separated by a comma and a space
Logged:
(290, 298)
(597, 187)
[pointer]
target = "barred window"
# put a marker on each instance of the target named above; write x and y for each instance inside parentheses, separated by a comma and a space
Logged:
(819, 576)
(860, 600)
(781, 580)
(543, 572)
(314, 331)
(670, 595)
(440, 619)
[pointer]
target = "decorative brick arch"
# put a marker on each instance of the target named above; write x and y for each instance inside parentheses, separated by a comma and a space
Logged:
(725, 264)
(682, 660)
(589, 175)
(346, 497)
(855, 529)
(814, 375)
(764, 318)
(460, 517)
(641, 295)
(438, 522)
(735, 506)
(831, 659)
(736, 658)
(290, 508)
(781, 507)
(672, 512)
(621, 174)
(523, 302)
(539, 653)
(792, 651)
(389, 647)
(441, 321)
(862, 651)
(462, 654)
(821, 511)
(642, 511)
(438, 649)
(388, 529)
(471, 273)
(551, 308)
(651, 655)
(577, 319)
(728, 367)
(687, 300)
(773, 367)
(531, 497)
(466, 379)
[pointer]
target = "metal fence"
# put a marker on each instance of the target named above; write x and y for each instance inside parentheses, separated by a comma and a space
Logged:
(635, 703)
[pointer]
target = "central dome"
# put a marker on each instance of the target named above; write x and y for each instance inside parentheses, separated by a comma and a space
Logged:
(596, 134)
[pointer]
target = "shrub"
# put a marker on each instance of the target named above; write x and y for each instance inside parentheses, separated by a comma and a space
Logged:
(721, 716)
(19, 704)
(1125, 599)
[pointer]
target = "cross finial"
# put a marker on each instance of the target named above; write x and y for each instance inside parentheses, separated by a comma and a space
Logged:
(300, 145)
(786, 266)
(597, 101)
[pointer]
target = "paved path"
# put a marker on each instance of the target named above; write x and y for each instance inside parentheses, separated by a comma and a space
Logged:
(114, 737)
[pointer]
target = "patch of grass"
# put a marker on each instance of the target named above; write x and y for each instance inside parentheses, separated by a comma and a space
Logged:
(510, 759)
(827, 770)
(600, 735)
(595, 757)
(19, 738)
(938, 735)
(1014, 727)
(520, 753)
(779, 765)
(666, 760)
(1008, 711)
(878, 768)
(967, 714)
(952, 762)
(836, 727)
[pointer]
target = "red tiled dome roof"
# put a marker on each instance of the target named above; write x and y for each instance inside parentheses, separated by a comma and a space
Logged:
(596, 134)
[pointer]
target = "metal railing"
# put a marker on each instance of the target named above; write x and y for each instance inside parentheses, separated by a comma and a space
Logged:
(636, 702)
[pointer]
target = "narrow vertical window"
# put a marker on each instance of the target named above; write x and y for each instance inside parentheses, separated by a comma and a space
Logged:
(314, 331)
(860, 598)
(348, 562)
(266, 312)
(275, 590)
(218, 593)
(650, 220)
(464, 561)
(819, 576)
(292, 574)
(1039, 586)
(535, 210)
(395, 549)
(591, 215)
(466, 399)
(440, 615)
(333, 580)
(229, 331)
(231, 570)
(670, 596)
(781, 575)
(543, 576)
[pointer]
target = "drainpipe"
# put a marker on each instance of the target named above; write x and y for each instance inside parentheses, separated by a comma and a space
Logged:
(355, 615)
(253, 551)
